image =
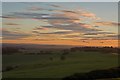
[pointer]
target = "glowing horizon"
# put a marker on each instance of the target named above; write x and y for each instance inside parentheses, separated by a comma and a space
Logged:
(99, 43)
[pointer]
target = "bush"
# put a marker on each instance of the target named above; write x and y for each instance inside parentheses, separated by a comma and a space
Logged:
(51, 58)
(96, 74)
(9, 68)
(62, 57)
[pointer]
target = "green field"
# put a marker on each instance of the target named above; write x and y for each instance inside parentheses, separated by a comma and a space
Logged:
(40, 66)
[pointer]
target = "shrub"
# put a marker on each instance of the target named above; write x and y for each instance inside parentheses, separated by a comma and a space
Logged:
(62, 57)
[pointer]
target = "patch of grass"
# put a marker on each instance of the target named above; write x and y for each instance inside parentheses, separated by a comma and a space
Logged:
(40, 66)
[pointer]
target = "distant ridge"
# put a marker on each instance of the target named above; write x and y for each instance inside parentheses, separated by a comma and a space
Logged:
(36, 46)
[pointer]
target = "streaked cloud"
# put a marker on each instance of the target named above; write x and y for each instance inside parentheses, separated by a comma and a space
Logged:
(35, 8)
(54, 5)
(98, 33)
(113, 37)
(6, 34)
(45, 30)
(105, 23)
(47, 22)
(12, 24)
(79, 13)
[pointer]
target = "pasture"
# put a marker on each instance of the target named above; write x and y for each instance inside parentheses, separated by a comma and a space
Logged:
(55, 66)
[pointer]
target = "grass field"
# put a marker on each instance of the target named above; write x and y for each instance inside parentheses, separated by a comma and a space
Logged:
(40, 66)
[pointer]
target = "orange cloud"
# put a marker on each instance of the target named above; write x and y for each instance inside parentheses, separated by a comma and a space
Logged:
(88, 14)
(77, 14)
(102, 23)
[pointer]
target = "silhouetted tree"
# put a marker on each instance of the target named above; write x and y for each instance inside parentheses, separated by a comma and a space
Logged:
(65, 52)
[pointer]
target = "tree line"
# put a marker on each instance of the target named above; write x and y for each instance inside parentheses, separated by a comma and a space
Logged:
(13, 50)
(96, 49)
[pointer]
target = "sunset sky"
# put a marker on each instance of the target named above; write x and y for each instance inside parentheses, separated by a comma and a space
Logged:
(60, 23)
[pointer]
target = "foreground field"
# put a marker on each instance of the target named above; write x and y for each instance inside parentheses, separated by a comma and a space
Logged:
(52, 66)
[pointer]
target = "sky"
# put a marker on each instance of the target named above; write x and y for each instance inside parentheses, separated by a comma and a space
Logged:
(61, 23)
